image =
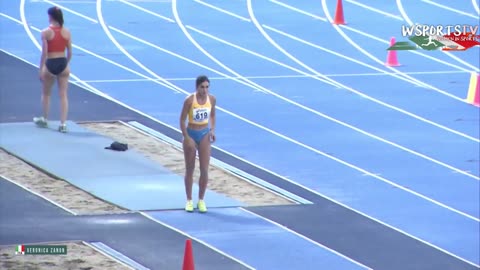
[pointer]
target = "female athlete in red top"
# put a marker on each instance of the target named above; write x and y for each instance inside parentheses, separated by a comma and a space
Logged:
(54, 64)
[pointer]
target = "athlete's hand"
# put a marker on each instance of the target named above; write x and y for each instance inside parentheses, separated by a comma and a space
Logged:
(212, 136)
(40, 76)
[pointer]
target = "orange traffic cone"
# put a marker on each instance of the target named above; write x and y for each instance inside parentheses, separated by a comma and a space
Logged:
(392, 60)
(339, 14)
(473, 96)
(188, 256)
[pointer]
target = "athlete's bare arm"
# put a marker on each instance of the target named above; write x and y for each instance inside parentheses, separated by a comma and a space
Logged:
(43, 57)
(187, 104)
(69, 45)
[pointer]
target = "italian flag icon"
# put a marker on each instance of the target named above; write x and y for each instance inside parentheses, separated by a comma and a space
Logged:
(20, 249)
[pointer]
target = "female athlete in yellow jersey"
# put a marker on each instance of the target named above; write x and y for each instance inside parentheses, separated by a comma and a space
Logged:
(199, 107)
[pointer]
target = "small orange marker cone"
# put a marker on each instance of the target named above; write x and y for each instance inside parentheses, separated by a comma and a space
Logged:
(392, 60)
(339, 14)
(188, 256)
(473, 96)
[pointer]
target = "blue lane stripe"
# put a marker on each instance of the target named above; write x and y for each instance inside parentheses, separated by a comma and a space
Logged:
(10, 8)
(166, 35)
(253, 240)
(331, 64)
(446, 147)
(411, 62)
(227, 55)
(402, 91)
(237, 7)
(157, 40)
(234, 102)
(226, 24)
(466, 7)
(22, 45)
(437, 14)
(425, 103)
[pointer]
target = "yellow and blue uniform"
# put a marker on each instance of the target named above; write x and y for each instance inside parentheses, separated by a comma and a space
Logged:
(199, 114)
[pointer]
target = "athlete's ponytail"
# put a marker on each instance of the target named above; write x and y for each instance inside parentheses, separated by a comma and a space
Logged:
(56, 14)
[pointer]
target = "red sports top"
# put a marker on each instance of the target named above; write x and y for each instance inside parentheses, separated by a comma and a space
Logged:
(58, 43)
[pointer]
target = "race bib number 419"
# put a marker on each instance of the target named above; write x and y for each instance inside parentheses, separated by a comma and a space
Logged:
(200, 114)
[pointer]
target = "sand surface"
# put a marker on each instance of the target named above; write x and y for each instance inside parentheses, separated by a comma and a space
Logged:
(80, 202)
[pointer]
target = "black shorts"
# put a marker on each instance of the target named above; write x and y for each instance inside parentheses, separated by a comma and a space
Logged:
(56, 65)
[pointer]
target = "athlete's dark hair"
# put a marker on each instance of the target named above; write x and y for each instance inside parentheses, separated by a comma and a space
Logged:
(201, 79)
(56, 14)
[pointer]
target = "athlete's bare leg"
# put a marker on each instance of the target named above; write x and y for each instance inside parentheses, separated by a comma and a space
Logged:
(189, 152)
(62, 88)
(204, 152)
